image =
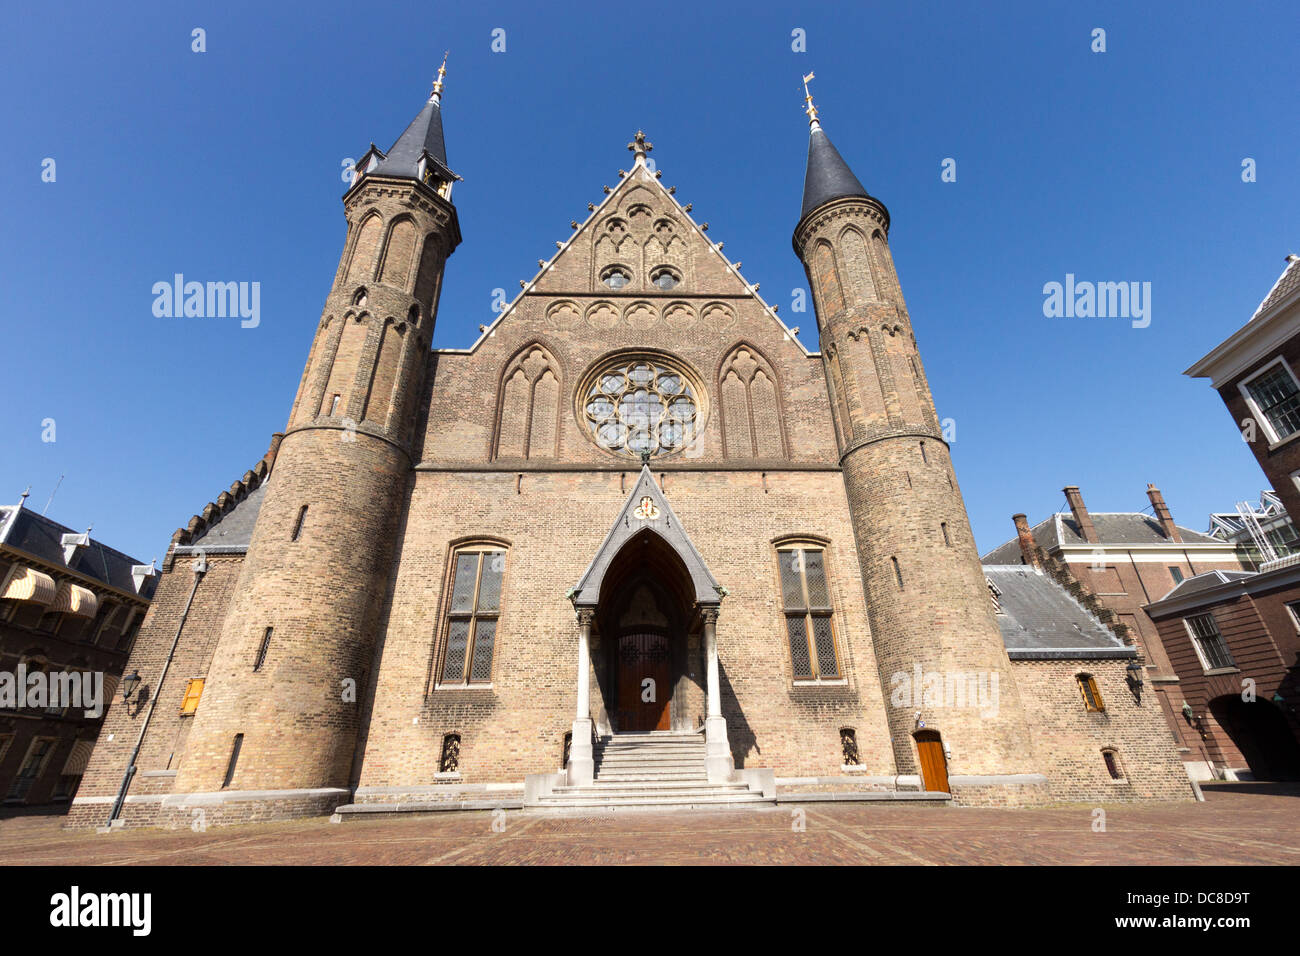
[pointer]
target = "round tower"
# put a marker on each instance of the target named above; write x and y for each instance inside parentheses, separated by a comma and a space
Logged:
(943, 665)
(282, 705)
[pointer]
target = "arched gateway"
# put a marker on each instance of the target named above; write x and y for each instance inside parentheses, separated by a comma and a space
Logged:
(647, 610)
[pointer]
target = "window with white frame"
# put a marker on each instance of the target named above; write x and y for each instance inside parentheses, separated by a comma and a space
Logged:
(1275, 396)
(1210, 645)
(1293, 608)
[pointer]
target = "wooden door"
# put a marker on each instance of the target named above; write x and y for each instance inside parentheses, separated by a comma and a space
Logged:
(644, 671)
(934, 766)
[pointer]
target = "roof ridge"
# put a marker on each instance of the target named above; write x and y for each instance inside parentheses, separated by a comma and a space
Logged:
(212, 513)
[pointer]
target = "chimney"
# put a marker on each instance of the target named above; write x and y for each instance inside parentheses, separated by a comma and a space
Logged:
(1028, 547)
(1081, 516)
(1162, 514)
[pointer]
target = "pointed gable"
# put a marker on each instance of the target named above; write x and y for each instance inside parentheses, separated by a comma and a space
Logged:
(640, 228)
(646, 511)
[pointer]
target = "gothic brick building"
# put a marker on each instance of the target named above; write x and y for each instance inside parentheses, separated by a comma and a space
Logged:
(635, 545)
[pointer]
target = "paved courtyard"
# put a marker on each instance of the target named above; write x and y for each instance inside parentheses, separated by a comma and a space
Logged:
(1247, 824)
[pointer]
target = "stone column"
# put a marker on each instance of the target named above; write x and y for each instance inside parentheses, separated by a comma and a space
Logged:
(582, 766)
(718, 760)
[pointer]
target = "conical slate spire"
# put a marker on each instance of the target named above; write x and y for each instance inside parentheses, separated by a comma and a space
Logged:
(421, 140)
(827, 176)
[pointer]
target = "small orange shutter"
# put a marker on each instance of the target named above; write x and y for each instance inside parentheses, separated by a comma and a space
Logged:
(193, 691)
(1096, 694)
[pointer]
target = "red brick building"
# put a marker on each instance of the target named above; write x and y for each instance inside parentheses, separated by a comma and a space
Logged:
(1127, 560)
(1234, 641)
(635, 545)
(69, 605)
(1254, 372)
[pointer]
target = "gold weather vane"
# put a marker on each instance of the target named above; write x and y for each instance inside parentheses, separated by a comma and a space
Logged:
(437, 83)
(807, 98)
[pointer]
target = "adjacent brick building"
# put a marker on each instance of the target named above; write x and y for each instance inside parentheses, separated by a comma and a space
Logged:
(1127, 560)
(69, 605)
(1253, 371)
(636, 544)
(1234, 640)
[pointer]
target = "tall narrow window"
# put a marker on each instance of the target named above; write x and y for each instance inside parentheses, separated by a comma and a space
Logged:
(1210, 645)
(471, 622)
(1176, 574)
(925, 459)
(947, 540)
(807, 603)
(1091, 695)
(262, 649)
(449, 762)
(898, 573)
(297, 525)
(33, 766)
(234, 760)
(334, 404)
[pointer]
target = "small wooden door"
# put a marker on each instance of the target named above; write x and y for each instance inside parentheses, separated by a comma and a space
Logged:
(644, 671)
(934, 766)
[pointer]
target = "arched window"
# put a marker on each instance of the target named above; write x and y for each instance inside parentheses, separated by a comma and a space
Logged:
(449, 761)
(849, 746)
(806, 603)
(469, 626)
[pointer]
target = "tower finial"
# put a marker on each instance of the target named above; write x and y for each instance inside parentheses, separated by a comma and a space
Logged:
(639, 147)
(437, 84)
(809, 108)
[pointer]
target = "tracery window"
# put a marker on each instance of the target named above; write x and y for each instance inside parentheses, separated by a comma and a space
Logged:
(470, 623)
(807, 603)
(641, 405)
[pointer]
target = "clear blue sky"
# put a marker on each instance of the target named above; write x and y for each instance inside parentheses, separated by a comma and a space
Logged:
(225, 165)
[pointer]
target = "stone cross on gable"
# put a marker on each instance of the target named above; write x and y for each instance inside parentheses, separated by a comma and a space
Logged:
(639, 146)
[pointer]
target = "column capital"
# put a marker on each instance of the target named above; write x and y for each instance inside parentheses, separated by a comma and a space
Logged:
(585, 616)
(710, 614)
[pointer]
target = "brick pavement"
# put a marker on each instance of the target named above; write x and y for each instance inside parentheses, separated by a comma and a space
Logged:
(1245, 824)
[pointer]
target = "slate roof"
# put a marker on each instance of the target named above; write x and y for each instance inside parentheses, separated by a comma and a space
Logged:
(1039, 618)
(1132, 528)
(627, 525)
(235, 529)
(38, 536)
(827, 176)
(424, 135)
(1287, 284)
(1201, 582)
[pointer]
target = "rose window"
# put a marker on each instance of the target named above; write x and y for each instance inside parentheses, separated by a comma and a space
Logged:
(641, 406)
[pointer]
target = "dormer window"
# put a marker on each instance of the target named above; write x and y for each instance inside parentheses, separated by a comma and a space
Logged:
(665, 279)
(615, 278)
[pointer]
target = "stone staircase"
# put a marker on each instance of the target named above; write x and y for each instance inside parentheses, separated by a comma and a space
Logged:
(660, 770)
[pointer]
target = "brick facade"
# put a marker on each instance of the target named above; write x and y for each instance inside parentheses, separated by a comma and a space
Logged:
(493, 447)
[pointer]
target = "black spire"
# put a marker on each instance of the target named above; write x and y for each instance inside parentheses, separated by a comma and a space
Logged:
(420, 152)
(827, 176)
(422, 140)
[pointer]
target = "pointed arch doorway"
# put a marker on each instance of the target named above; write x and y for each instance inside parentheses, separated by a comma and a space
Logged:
(648, 588)
(647, 640)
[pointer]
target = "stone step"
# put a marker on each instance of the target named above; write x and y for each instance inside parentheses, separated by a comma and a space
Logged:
(682, 802)
(651, 778)
(651, 790)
